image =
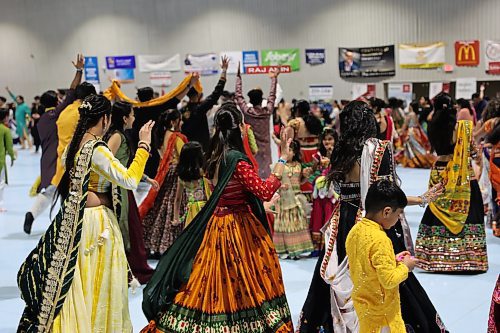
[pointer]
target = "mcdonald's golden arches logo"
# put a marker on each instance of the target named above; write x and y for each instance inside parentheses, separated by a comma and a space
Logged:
(467, 53)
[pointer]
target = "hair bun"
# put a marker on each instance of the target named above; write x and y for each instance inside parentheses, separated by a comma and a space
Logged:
(224, 121)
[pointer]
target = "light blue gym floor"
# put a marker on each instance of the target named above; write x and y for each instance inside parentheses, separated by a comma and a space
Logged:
(462, 300)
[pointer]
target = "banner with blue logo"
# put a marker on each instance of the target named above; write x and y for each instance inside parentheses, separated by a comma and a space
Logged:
(250, 58)
(120, 62)
(315, 56)
(91, 70)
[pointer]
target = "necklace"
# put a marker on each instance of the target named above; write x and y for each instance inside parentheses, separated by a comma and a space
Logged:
(95, 136)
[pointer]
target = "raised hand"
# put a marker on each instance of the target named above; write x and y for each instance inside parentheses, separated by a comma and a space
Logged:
(224, 63)
(80, 61)
(274, 72)
(145, 132)
(239, 72)
(286, 152)
(194, 78)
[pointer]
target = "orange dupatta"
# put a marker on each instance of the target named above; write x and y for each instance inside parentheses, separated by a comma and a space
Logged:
(149, 201)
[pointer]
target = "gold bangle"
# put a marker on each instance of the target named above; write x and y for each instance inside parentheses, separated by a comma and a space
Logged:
(275, 174)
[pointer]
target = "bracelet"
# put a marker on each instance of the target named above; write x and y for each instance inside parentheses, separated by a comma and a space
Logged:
(144, 146)
(79, 70)
(282, 160)
(275, 174)
(424, 201)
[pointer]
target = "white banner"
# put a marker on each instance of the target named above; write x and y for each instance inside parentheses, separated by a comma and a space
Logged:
(492, 57)
(320, 92)
(421, 56)
(205, 64)
(235, 58)
(160, 79)
(465, 87)
(153, 63)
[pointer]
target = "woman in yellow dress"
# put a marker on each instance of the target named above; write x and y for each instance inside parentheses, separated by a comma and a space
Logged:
(76, 279)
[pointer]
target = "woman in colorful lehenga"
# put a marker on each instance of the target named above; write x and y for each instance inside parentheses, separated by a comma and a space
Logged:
(222, 274)
(76, 280)
(359, 159)
(451, 236)
(157, 209)
(416, 146)
(122, 118)
(494, 318)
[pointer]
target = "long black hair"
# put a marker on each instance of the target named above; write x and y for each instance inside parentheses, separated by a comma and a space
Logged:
(227, 136)
(164, 123)
(442, 125)
(357, 124)
(327, 131)
(302, 109)
(92, 109)
(492, 109)
(295, 147)
(191, 162)
(118, 111)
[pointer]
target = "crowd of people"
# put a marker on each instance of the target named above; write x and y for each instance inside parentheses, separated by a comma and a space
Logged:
(218, 188)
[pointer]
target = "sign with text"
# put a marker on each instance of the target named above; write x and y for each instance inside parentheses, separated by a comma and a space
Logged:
(290, 57)
(235, 58)
(266, 69)
(437, 87)
(367, 61)
(160, 79)
(467, 53)
(315, 56)
(361, 91)
(492, 57)
(205, 63)
(320, 92)
(120, 62)
(91, 70)
(250, 58)
(465, 87)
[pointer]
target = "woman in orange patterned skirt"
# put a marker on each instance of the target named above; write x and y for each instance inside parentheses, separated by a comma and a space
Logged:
(222, 273)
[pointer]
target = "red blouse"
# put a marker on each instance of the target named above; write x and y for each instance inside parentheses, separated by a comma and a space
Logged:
(245, 180)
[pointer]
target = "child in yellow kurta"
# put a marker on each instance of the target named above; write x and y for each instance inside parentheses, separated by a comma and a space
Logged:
(376, 273)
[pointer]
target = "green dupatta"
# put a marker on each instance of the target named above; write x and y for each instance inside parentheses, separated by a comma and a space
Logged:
(46, 275)
(175, 266)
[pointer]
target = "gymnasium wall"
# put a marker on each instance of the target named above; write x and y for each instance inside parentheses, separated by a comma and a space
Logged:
(40, 38)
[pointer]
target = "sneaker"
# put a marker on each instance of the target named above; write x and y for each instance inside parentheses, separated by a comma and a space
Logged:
(28, 222)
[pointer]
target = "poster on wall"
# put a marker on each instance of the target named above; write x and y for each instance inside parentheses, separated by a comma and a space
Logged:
(290, 57)
(438, 87)
(250, 58)
(159, 62)
(367, 61)
(467, 53)
(363, 91)
(320, 92)
(204, 63)
(124, 75)
(91, 70)
(235, 58)
(421, 56)
(465, 87)
(160, 79)
(402, 91)
(285, 69)
(315, 56)
(120, 62)
(492, 57)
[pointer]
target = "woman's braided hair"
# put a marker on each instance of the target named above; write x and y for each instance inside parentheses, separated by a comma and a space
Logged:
(92, 109)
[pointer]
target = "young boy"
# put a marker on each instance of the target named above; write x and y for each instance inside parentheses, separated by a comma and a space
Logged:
(375, 271)
(6, 147)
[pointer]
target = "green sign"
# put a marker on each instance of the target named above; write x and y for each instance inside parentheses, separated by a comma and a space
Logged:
(289, 57)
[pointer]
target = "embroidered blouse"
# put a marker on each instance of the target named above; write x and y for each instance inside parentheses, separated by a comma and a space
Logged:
(245, 180)
(106, 169)
(376, 277)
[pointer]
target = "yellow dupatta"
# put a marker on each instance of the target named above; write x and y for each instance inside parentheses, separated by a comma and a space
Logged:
(452, 208)
(114, 92)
